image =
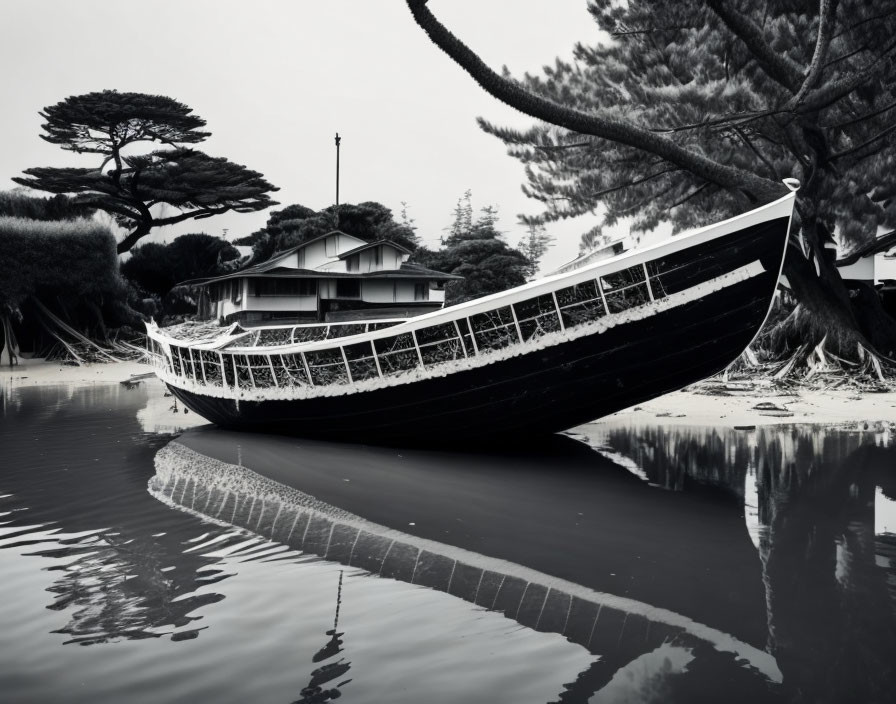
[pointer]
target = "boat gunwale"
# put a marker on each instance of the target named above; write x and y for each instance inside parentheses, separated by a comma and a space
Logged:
(776, 209)
(220, 343)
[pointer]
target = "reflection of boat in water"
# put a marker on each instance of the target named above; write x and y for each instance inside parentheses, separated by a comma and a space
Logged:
(647, 579)
(540, 358)
(529, 564)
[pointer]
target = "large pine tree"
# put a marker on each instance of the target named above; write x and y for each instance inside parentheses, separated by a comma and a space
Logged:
(695, 111)
(135, 187)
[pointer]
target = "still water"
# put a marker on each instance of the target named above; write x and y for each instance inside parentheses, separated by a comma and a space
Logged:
(145, 561)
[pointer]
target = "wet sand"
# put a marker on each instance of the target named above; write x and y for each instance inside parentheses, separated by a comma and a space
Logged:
(734, 407)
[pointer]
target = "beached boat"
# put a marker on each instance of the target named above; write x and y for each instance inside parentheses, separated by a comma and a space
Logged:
(539, 358)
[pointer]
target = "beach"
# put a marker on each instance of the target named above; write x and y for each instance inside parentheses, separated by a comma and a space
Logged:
(713, 402)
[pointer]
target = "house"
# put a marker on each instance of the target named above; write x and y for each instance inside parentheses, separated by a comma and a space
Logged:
(872, 263)
(604, 251)
(875, 264)
(332, 277)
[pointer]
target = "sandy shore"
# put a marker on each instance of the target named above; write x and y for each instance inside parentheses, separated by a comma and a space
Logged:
(710, 403)
(39, 371)
(745, 405)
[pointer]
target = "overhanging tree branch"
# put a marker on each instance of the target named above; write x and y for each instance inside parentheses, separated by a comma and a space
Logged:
(636, 182)
(826, 12)
(777, 66)
(511, 93)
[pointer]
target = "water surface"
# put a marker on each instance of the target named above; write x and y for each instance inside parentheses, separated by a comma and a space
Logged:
(621, 563)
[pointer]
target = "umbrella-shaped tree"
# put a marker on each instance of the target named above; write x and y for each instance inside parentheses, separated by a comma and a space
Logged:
(135, 188)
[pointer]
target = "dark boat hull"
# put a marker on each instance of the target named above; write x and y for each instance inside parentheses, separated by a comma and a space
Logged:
(541, 392)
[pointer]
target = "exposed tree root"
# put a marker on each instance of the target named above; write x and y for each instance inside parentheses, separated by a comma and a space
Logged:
(78, 348)
(817, 367)
(9, 354)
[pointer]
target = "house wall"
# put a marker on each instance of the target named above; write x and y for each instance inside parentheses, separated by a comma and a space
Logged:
(224, 308)
(280, 303)
(862, 270)
(227, 306)
(404, 291)
(326, 251)
(884, 268)
(289, 261)
(391, 291)
(382, 291)
(377, 291)
(326, 288)
(335, 265)
(315, 255)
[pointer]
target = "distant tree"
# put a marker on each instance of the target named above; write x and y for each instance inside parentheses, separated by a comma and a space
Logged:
(406, 220)
(534, 246)
(295, 224)
(463, 218)
(135, 188)
(474, 249)
(157, 268)
(694, 111)
(591, 239)
(19, 205)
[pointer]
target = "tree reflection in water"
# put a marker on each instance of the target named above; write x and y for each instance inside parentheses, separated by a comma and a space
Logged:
(119, 560)
(830, 582)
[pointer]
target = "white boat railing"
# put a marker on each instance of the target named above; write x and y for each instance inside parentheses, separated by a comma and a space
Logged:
(399, 350)
(470, 330)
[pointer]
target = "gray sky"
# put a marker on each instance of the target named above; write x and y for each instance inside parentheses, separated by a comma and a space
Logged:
(276, 79)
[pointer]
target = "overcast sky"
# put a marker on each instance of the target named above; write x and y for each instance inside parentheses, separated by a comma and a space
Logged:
(276, 79)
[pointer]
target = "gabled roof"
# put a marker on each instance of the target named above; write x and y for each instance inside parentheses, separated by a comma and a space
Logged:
(371, 245)
(879, 244)
(271, 262)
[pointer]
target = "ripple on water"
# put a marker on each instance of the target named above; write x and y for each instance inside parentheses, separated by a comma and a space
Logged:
(110, 595)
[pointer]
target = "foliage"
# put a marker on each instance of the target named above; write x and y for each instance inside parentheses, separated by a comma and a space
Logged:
(682, 72)
(295, 224)
(74, 259)
(695, 111)
(463, 218)
(157, 268)
(534, 246)
(136, 188)
(57, 271)
(101, 122)
(19, 205)
(474, 249)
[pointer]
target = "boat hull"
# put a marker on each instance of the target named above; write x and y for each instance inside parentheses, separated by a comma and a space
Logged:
(544, 391)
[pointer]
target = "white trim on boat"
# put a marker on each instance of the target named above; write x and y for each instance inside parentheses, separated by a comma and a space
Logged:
(445, 368)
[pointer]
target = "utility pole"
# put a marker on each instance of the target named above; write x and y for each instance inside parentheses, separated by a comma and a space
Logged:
(338, 140)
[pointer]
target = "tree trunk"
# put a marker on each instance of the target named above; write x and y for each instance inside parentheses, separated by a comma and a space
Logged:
(850, 320)
(877, 325)
(133, 237)
(9, 348)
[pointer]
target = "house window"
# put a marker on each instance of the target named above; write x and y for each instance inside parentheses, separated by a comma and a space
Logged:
(236, 291)
(348, 288)
(331, 246)
(283, 287)
(353, 263)
(377, 256)
(421, 292)
(300, 259)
